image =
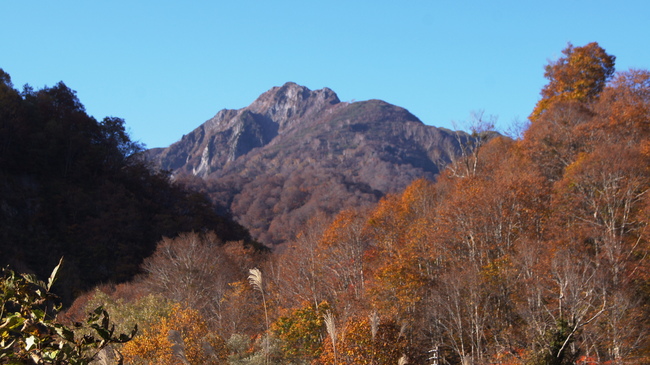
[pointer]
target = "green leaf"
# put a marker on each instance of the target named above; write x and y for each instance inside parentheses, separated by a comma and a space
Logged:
(12, 322)
(105, 320)
(38, 314)
(67, 334)
(51, 355)
(94, 315)
(102, 332)
(7, 346)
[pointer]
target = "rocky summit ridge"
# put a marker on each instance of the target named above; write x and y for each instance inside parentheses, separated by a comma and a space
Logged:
(270, 115)
(293, 153)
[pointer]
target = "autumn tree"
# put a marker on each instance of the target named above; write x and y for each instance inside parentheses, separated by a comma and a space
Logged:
(301, 271)
(580, 75)
(145, 310)
(202, 272)
(242, 311)
(341, 250)
(404, 259)
(481, 130)
(193, 269)
(602, 194)
(301, 333)
(624, 107)
(366, 340)
(183, 337)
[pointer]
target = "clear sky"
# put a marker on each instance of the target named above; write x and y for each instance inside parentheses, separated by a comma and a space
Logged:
(168, 66)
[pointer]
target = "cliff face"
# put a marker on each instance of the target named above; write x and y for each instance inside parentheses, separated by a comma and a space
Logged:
(234, 133)
(295, 152)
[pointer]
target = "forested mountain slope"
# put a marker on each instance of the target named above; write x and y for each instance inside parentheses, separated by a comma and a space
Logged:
(533, 251)
(72, 186)
(294, 153)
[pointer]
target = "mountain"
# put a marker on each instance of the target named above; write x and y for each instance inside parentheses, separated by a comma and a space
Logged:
(294, 153)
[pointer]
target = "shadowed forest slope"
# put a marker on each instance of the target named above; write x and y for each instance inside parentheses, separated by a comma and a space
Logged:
(75, 187)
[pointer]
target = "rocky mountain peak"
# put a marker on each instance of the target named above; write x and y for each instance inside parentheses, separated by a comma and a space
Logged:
(233, 133)
(290, 102)
(294, 152)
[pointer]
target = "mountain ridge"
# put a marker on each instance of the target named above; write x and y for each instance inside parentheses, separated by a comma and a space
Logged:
(294, 138)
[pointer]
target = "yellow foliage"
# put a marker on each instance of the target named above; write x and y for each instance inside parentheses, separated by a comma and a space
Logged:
(182, 338)
(357, 345)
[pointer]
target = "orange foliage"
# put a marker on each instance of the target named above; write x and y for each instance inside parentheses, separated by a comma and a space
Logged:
(624, 108)
(181, 338)
(341, 250)
(358, 344)
(580, 75)
(550, 229)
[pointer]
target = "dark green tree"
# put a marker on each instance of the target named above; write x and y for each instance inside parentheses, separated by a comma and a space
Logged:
(558, 350)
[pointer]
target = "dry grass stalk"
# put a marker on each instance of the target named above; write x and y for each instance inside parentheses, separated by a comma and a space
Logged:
(178, 345)
(331, 330)
(374, 324)
(255, 279)
(403, 360)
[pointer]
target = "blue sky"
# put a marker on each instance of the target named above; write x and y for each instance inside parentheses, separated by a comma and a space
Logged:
(168, 66)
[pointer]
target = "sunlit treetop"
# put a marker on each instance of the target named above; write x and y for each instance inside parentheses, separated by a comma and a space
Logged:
(580, 75)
